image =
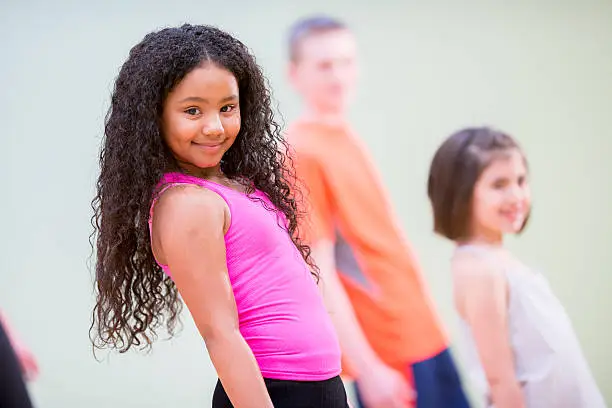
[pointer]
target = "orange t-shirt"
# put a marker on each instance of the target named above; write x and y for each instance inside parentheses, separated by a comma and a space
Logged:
(347, 204)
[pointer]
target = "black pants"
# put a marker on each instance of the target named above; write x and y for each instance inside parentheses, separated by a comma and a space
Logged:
(13, 391)
(295, 394)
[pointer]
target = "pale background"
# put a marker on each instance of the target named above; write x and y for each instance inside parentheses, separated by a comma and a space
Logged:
(541, 70)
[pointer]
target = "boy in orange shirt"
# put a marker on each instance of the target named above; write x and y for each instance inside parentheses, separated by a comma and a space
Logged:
(391, 336)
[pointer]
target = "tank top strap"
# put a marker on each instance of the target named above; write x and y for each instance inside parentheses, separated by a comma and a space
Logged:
(486, 253)
(174, 179)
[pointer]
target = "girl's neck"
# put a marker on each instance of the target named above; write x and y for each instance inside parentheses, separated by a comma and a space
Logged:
(484, 240)
(208, 173)
(215, 175)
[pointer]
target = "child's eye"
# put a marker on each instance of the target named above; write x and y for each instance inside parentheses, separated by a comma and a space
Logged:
(228, 108)
(499, 184)
(192, 111)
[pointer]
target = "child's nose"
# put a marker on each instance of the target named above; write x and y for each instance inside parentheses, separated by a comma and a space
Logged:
(213, 127)
(517, 194)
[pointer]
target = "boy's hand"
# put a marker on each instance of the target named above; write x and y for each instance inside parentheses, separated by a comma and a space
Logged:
(383, 387)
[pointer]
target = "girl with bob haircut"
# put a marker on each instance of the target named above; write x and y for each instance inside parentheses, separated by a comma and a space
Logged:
(520, 348)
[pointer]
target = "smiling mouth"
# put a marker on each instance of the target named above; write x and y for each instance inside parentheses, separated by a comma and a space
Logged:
(514, 215)
(208, 144)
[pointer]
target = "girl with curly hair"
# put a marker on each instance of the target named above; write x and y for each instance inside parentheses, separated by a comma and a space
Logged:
(194, 200)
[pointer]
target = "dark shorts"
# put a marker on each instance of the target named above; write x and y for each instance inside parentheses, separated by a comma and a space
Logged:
(436, 382)
(295, 394)
(13, 391)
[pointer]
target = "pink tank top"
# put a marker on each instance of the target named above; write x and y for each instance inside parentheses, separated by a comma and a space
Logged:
(281, 313)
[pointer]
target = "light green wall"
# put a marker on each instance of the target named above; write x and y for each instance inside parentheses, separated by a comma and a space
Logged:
(540, 70)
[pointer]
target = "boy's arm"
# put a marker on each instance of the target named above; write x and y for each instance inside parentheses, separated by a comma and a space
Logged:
(380, 385)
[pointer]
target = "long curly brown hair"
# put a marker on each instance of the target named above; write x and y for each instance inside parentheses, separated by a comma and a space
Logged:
(134, 297)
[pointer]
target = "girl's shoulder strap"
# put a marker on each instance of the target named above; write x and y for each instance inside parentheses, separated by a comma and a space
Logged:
(168, 181)
(480, 254)
(490, 257)
(179, 178)
(174, 179)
